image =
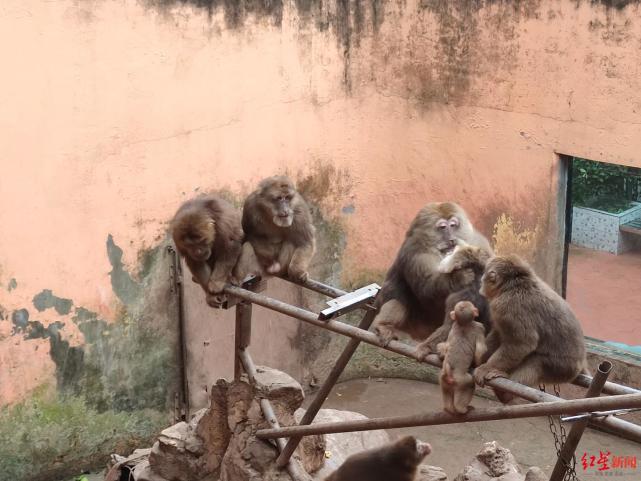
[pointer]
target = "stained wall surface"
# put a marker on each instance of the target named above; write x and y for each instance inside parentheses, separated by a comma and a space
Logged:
(114, 112)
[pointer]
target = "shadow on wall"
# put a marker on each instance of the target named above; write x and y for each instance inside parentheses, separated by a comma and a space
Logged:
(112, 392)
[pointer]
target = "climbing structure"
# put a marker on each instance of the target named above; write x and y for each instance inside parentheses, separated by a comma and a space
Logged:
(595, 410)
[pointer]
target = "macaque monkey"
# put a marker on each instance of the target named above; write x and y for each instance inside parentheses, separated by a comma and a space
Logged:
(397, 461)
(465, 347)
(278, 225)
(535, 336)
(412, 299)
(208, 234)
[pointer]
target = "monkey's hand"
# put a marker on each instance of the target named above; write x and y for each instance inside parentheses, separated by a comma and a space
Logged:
(485, 373)
(441, 349)
(385, 335)
(423, 350)
(298, 275)
(215, 286)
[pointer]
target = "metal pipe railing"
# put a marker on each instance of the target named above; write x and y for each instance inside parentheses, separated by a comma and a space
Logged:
(317, 286)
(574, 436)
(619, 426)
(584, 380)
(325, 389)
(570, 406)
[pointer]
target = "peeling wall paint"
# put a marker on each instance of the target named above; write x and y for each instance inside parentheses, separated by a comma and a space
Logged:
(113, 113)
(112, 387)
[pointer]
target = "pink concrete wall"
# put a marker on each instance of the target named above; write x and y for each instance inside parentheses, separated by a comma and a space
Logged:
(113, 113)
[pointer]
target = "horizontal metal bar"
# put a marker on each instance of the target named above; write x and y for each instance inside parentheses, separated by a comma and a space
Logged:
(317, 286)
(584, 380)
(572, 406)
(598, 414)
(625, 428)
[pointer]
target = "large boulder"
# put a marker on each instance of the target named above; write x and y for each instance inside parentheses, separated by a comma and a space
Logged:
(496, 463)
(340, 446)
(251, 459)
(194, 451)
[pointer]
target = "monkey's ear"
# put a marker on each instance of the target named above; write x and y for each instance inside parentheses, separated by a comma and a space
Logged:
(518, 267)
(453, 315)
(475, 311)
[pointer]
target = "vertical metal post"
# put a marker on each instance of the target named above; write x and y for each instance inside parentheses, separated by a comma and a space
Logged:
(243, 334)
(325, 389)
(177, 287)
(572, 441)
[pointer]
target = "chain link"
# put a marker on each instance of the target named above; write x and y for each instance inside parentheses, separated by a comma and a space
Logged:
(560, 437)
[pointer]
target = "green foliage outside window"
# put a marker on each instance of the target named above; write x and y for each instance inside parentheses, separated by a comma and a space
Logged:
(608, 187)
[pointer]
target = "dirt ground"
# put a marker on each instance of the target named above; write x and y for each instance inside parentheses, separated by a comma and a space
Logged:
(453, 446)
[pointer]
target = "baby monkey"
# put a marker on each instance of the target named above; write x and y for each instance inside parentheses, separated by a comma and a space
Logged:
(465, 346)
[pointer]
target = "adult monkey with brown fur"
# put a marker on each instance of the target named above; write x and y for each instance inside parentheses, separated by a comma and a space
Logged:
(208, 234)
(278, 224)
(464, 348)
(396, 461)
(535, 336)
(413, 295)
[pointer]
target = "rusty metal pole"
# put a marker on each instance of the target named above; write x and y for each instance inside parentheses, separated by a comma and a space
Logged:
(242, 337)
(325, 389)
(296, 471)
(498, 413)
(317, 286)
(569, 447)
(609, 387)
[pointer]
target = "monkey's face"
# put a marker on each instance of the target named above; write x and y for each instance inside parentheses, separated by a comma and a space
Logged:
(194, 236)
(492, 279)
(279, 200)
(414, 449)
(446, 233)
(422, 449)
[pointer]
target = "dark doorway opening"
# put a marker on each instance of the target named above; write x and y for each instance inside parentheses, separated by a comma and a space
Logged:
(602, 262)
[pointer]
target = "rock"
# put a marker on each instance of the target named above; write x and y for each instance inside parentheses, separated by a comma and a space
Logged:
(342, 445)
(119, 464)
(248, 458)
(426, 472)
(311, 450)
(211, 426)
(176, 456)
(496, 463)
(239, 398)
(498, 459)
(279, 387)
(535, 474)
(143, 472)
